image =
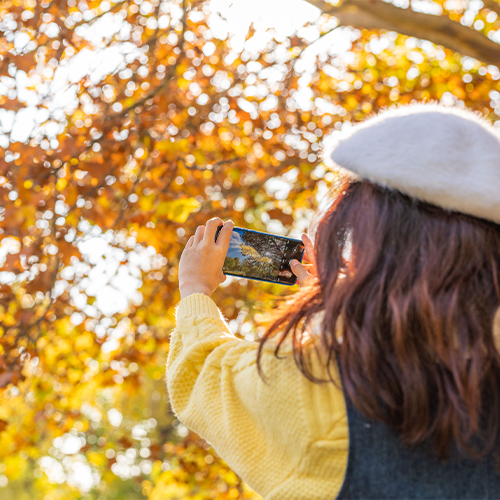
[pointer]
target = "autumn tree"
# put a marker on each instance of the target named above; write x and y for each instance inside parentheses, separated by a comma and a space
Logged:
(126, 124)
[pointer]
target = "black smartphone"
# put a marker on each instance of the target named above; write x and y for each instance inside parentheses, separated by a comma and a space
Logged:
(261, 256)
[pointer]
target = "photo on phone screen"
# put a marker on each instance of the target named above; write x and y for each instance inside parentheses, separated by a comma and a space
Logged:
(261, 256)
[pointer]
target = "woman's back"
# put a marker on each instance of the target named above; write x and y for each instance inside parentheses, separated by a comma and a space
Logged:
(380, 466)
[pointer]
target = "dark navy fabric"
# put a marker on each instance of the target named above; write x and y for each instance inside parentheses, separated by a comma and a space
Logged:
(379, 466)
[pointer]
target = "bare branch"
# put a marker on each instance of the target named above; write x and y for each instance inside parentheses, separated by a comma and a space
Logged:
(441, 30)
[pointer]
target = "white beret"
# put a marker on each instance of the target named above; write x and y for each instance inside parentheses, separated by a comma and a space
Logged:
(445, 156)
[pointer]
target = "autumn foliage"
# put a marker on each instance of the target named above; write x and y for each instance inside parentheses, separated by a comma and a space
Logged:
(123, 126)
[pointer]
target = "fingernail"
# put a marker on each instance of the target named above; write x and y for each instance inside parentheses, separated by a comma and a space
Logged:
(294, 262)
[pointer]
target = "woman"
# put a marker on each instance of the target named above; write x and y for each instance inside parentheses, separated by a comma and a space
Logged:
(380, 378)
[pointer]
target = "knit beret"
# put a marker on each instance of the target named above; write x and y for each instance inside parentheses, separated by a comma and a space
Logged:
(446, 156)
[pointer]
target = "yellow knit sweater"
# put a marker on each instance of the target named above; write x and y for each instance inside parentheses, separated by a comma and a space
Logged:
(287, 438)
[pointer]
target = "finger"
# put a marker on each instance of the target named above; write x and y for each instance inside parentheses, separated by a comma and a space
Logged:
(190, 242)
(308, 244)
(225, 235)
(198, 235)
(306, 259)
(211, 229)
(309, 248)
(299, 270)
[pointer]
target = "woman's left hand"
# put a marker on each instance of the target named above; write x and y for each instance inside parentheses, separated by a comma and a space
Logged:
(200, 267)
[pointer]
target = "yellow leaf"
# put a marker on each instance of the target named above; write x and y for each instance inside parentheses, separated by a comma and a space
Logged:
(74, 375)
(84, 341)
(96, 458)
(178, 210)
(163, 145)
(146, 202)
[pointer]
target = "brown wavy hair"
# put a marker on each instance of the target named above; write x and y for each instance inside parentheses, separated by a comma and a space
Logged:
(408, 293)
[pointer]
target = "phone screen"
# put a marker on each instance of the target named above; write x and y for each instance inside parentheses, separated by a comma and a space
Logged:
(262, 256)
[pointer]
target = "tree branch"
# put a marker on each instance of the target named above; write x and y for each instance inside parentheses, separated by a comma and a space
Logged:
(441, 30)
(492, 5)
(116, 6)
(171, 72)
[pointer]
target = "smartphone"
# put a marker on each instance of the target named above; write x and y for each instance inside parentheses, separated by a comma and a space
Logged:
(261, 256)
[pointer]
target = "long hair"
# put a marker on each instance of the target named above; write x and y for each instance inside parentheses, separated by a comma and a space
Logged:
(408, 294)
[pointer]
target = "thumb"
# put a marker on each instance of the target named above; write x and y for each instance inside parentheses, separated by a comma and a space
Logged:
(299, 270)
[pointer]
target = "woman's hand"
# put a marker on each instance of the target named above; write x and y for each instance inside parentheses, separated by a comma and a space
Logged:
(305, 272)
(200, 268)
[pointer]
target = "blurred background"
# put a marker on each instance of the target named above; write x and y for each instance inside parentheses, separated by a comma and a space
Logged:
(123, 126)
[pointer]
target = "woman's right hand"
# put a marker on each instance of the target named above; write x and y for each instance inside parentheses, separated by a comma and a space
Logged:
(305, 272)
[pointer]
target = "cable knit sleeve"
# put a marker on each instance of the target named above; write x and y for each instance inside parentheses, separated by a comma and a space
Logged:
(286, 437)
